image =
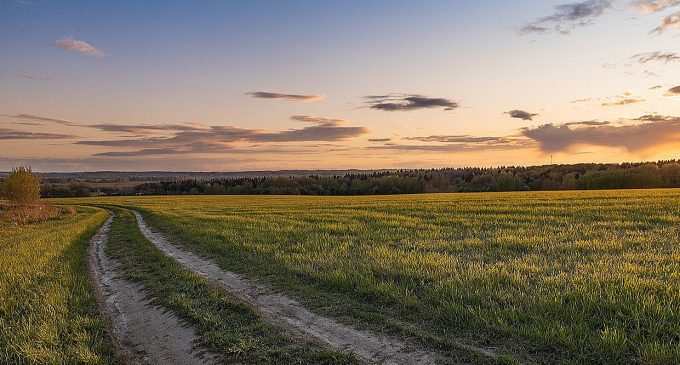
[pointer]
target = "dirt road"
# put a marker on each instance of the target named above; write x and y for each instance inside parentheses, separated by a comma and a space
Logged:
(144, 334)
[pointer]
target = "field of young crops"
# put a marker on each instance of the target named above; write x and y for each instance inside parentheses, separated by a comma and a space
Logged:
(48, 314)
(548, 277)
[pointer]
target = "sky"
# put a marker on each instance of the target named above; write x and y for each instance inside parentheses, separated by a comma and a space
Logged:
(271, 85)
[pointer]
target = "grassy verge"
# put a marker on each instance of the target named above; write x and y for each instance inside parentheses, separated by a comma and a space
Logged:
(565, 277)
(224, 325)
(48, 313)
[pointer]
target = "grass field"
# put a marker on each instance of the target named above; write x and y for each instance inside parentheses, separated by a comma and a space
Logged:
(565, 277)
(48, 314)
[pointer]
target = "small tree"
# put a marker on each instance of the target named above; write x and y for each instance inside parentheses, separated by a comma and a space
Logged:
(21, 186)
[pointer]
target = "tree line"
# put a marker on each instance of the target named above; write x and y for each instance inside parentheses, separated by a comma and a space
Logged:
(661, 174)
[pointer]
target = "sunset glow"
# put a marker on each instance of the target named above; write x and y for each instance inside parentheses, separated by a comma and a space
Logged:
(220, 85)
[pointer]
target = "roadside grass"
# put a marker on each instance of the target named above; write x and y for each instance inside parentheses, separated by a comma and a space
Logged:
(224, 325)
(544, 277)
(48, 312)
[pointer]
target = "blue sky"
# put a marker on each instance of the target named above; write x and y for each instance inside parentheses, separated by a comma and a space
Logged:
(158, 65)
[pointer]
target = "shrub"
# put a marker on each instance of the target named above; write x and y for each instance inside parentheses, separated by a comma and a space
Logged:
(21, 186)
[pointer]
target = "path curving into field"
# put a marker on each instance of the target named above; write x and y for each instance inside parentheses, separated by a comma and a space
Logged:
(144, 333)
(284, 311)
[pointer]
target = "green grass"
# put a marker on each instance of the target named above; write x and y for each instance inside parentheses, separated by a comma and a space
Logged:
(48, 313)
(225, 326)
(564, 277)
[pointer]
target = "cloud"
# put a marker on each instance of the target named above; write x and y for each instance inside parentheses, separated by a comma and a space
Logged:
(653, 6)
(144, 152)
(25, 75)
(290, 97)
(82, 47)
(325, 133)
(521, 114)
(109, 127)
(533, 28)
(655, 87)
(143, 128)
(462, 143)
(318, 120)
(656, 118)
(194, 147)
(623, 101)
(39, 119)
(11, 134)
(588, 123)
(669, 22)
(673, 91)
(652, 132)
(379, 139)
(457, 143)
(458, 139)
(407, 102)
(568, 16)
(625, 98)
(218, 139)
(665, 57)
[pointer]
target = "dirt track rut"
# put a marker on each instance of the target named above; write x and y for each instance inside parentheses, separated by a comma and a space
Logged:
(145, 334)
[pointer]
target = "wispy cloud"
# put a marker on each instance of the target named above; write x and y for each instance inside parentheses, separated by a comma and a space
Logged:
(318, 120)
(521, 114)
(458, 139)
(377, 140)
(623, 101)
(665, 57)
(218, 139)
(75, 45)
(323, 131)
(10, 134)
(407, 102)
(289, 97)
(568, 16)
(668, 22)
(642, 134)
(587, 123)
(185, 138)
(653, 6)
(39, 119)
(144, 128)
(457, 143)
(29, 76)
(205, 147)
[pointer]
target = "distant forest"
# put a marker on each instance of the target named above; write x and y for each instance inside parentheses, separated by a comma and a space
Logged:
(661, 174)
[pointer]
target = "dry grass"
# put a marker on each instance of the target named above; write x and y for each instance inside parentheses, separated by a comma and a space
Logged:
(31, 213)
